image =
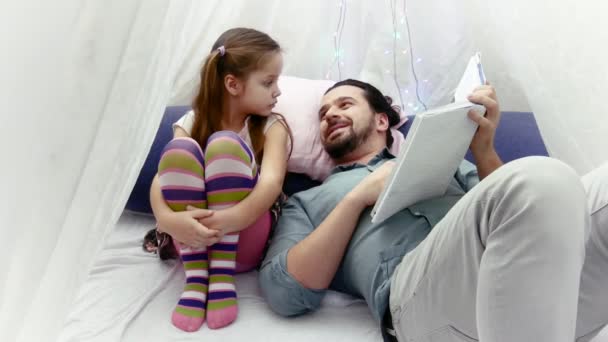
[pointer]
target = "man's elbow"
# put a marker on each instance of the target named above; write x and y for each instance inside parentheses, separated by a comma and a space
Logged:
(284, 294)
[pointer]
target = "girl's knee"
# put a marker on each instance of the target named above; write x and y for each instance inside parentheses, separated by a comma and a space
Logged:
(228, 143)
(183, 143)
(182, 153)
(224, 134)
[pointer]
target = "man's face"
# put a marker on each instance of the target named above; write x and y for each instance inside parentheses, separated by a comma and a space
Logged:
(346, 120)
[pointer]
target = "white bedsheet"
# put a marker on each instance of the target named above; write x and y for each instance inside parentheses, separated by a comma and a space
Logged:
(129, 296)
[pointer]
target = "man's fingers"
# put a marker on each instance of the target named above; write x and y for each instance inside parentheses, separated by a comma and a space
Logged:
(479, 119)
(486, 101)
(474, 116)
(488, 91)
(486, 86)
(480, 96)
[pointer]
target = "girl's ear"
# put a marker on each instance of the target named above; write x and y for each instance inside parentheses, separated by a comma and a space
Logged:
(233, 85)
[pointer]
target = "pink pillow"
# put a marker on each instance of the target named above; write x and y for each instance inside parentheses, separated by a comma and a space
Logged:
(300, 102)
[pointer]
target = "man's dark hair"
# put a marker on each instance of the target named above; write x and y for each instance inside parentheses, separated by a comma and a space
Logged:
(378, 102)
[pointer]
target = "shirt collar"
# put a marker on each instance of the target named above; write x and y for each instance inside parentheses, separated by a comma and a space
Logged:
(372, 164)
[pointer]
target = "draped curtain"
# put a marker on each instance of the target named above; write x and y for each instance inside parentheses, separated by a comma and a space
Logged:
(84, 85)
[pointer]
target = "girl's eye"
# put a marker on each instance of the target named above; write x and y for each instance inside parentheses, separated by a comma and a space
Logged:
(268, 83)
(345, 105)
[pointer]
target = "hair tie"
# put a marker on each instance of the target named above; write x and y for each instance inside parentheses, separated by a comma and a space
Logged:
(222, 50)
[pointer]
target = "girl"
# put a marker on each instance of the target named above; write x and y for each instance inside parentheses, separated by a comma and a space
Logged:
(208, 194)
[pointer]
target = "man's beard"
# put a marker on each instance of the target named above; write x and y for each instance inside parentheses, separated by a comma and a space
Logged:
(342, 146)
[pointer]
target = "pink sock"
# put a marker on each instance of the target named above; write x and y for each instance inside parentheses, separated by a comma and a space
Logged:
(189, 314)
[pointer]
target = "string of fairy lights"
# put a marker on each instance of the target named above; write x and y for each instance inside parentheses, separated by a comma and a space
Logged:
(337, 40)
(409, 94)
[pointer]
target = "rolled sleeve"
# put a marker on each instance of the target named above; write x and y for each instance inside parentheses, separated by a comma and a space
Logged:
(185, 122)
(285, 295)
(467, 175)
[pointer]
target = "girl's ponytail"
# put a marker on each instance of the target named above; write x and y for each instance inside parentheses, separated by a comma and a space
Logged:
(207, 104)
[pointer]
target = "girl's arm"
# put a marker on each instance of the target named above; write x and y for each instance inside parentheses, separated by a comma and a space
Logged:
(265, 192)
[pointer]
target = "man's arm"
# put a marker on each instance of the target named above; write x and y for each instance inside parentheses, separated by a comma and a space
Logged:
(313, 262)
(482, 145)
(487, 163)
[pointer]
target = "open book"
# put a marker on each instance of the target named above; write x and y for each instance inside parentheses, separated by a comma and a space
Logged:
(433, 149)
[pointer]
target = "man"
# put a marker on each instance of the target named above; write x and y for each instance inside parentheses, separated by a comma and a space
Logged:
(501, 262)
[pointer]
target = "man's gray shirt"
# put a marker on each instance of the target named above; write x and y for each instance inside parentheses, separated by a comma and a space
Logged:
(374, 249)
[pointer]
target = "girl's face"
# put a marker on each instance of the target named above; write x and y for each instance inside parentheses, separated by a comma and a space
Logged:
(260, 92)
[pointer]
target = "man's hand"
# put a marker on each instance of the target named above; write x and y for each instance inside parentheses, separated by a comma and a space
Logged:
(367, 192)
(184, 226)
(482, 145)
(483, 141)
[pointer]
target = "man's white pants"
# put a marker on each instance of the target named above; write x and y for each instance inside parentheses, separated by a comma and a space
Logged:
(512, 261)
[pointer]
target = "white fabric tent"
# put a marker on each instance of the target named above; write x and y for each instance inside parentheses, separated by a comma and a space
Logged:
(84, 85)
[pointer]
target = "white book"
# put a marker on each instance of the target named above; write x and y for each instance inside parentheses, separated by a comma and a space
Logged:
(433, 149)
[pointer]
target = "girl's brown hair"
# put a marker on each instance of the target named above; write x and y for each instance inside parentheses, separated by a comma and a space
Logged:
(244, 51)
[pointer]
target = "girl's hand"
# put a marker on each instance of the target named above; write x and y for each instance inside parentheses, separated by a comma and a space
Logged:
(184, 226)
(226, 220)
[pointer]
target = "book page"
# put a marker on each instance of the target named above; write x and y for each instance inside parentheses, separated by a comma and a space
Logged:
(473, 77)
(433, 148)
(429, 159)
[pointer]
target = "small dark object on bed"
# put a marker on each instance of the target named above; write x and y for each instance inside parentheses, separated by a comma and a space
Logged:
(159, 243)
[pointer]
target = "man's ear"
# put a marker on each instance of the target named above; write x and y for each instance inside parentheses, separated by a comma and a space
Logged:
(233, 85)
(382, 124)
